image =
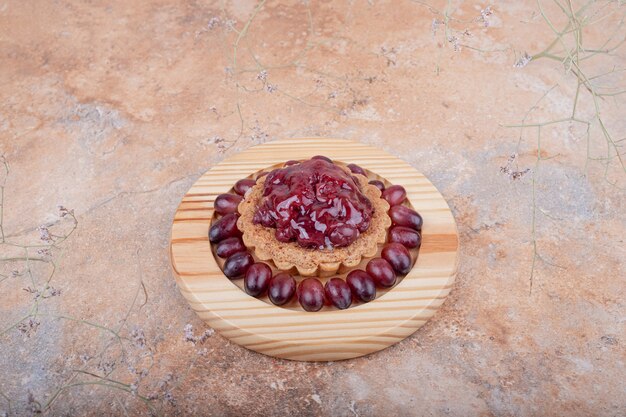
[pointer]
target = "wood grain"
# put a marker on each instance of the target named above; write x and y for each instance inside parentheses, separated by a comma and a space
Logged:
(329, 334)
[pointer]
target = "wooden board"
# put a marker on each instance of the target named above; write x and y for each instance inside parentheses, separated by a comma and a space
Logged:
(329, 334)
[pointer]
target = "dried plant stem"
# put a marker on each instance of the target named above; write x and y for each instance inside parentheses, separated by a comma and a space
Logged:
(105, 382)
(571, 59)
(534, 211)
(8, 401)
(55, 241)
(5, 168)
(293, 63)
(241, 35)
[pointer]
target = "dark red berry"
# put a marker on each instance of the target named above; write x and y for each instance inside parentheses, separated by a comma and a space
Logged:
(382, 272)
(227, 203)
(311, 294)
(282, 288)
(338, 292)
(257, 279)
(394, 194)
(343, 235)
(244, 185)
(362, 285)
(398, 256)
(229, 246)
(405, 235)
(404, 216)
(224, 227)
(237, 264)
(357, 169)
(324, 158)
(378, 184)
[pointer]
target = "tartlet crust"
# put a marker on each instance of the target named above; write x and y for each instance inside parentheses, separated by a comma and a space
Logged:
(290, 256)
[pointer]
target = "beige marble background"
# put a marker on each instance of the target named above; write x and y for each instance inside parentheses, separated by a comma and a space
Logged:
(114, 108)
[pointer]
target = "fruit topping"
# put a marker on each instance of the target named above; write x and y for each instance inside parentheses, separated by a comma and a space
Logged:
(315, 203)
(323, 158)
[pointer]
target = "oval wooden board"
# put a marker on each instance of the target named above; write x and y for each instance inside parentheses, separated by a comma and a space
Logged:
(326, 335)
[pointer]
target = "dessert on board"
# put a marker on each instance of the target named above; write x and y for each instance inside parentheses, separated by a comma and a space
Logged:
(316, 232)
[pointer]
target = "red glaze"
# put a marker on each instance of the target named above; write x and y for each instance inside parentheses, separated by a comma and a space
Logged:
(323, 158)
(315, 203)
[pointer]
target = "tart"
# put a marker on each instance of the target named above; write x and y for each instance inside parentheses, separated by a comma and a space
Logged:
(314, 217)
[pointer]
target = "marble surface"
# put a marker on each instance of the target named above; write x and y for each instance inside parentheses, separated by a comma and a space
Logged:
(113, 109)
